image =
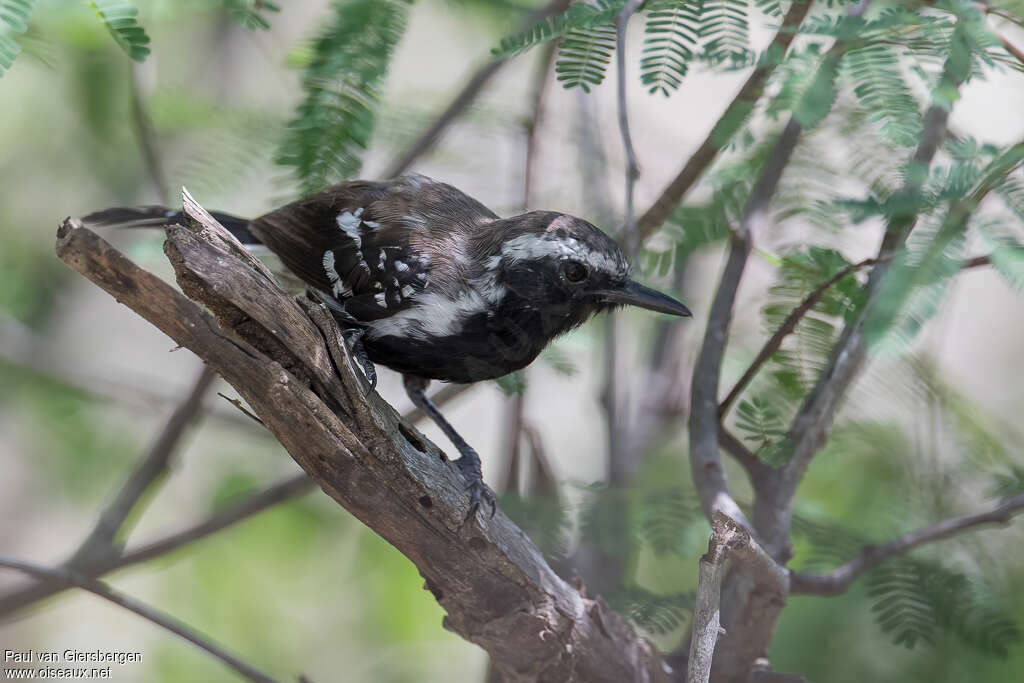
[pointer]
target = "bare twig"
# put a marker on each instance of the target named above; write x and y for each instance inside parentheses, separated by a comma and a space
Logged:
(839, 579)
(285, 490)
(538, 90)
(147, 138)
(69, 577)
(242, 409)
(469, 92)
(632, 168)
(1010, 47)
(788, 325)
(708, 151)
(100, 543)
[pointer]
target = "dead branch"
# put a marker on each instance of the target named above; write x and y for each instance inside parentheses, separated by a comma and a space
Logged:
(728, 539)
(285, 358)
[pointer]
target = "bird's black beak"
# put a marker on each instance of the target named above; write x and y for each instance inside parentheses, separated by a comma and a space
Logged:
(635, 294)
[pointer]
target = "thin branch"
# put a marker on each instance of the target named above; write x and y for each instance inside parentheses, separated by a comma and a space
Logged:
(463, 99)
(708, 151)
(27, 350)
(839, 579)
(146, 135)
(705, 463)
(632, 168)
(100, 543)
(283, 491)
(68, 577)
(788, 325)
(533, 121)
(1010, 47)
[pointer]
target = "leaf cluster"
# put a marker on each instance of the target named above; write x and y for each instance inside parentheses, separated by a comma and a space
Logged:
(333, 125)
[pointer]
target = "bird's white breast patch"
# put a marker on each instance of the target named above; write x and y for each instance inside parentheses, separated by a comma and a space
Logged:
(436, 314)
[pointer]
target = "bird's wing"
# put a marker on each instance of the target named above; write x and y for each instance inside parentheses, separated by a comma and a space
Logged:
(355, 243)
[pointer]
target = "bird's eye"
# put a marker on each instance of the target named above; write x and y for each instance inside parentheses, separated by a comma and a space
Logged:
(575, 272)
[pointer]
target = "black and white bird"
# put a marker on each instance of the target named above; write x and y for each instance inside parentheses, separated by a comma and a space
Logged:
(429, 282)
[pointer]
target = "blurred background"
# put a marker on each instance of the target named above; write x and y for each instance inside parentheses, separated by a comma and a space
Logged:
(305, 588)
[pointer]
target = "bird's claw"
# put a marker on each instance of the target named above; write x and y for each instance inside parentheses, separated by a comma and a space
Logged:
(478, 490)
(358, 354)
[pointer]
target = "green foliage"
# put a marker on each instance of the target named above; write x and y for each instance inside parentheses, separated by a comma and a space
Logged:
(666, 515)
(874, 71)
(545, 519)
(512, 384)
(1007, 258)
(584, 55)
(120, 19)
(915, 600)
(1009, 482)
(333, 125)
(251, 13)
(580, 16)
(759, 419)
(725, 28)
(804, 354)
(673, 32)
(14, 16)
(653, 612)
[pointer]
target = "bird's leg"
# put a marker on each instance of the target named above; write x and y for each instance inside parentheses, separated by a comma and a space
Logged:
(469, 462)
(354, 336)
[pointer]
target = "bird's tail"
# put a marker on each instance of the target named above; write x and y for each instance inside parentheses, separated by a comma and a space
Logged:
(156, 216)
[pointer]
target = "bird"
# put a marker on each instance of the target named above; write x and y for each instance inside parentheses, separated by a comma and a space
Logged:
(429, 282)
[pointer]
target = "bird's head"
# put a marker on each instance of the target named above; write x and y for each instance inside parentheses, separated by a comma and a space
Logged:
(567, 268)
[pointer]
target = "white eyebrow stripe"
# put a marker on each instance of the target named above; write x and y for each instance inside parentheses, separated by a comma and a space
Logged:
(530, 247)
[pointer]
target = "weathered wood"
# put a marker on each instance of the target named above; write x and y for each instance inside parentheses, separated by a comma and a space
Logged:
(283, 357)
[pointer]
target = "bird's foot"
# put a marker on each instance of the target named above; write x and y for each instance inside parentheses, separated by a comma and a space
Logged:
(469, 465)
(354, 337)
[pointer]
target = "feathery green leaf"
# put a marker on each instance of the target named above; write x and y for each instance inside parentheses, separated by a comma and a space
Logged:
(251, 13)
(119, 17)
(14, 16)
(580, 16)
(333, 125)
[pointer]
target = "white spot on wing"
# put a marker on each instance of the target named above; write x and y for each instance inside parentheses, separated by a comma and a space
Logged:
(379, 298)
(337, 285)
(407, 291)
(349, 224)
(401, 266)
